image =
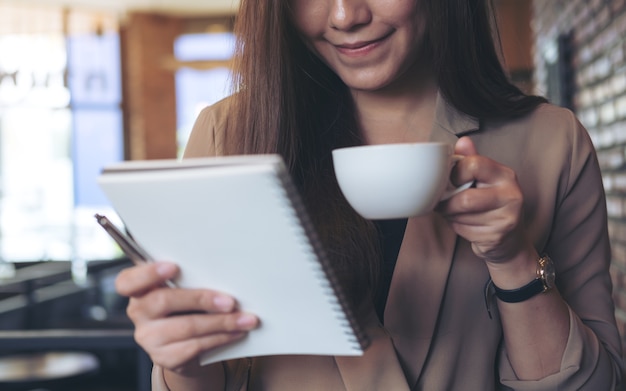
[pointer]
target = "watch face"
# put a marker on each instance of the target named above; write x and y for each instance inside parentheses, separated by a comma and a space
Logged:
(548, 273)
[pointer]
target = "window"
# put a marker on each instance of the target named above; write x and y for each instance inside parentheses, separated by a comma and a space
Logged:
(60, 121)
(203, 76)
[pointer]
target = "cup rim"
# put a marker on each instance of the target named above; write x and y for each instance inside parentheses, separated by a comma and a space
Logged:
(386, 145)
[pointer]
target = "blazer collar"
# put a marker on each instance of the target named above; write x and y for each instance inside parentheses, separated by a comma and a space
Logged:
(449, 121)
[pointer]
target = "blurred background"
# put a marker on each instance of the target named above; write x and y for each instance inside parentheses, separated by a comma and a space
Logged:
(85, 83)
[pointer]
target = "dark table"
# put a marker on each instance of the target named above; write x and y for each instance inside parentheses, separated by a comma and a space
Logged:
(30, 280)
(79, 340)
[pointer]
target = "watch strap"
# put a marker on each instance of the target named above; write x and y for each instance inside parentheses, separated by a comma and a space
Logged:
(520, 294)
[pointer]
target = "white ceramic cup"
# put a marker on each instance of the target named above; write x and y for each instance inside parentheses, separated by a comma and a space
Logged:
(390, 181)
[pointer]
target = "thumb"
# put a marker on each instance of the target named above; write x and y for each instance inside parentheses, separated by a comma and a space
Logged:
(465, 146)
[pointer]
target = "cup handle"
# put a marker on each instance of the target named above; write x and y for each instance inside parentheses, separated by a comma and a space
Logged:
(450, 192)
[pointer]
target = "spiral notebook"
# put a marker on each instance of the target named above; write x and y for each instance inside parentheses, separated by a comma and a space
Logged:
(237, 224)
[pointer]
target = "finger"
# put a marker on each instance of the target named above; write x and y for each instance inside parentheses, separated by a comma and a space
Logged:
(475, 233)
(137, 280)
(163, 302)
(482, 207)
(174, 355)
(465, 146)
(497, 221)
(488, 242)
(184, 337)
(186, 327)
(472, 201)
(483, 171)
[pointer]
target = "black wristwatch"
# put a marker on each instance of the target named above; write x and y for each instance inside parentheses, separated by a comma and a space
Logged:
(542, 283)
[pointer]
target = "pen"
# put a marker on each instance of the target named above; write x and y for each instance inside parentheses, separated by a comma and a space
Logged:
(128, 245)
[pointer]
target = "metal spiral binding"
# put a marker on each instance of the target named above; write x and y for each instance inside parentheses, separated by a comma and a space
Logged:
(328, 276)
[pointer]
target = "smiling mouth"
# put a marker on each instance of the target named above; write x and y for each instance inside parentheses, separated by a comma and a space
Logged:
(357, 45)
(360, 48)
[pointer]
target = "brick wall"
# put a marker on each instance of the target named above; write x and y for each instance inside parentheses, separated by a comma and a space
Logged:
(149, 85)
(598, 65)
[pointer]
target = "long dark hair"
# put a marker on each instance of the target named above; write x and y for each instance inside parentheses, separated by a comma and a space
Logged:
(466, 63)
(288, 102)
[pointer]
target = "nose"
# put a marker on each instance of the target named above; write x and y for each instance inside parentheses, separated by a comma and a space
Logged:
(349, 14)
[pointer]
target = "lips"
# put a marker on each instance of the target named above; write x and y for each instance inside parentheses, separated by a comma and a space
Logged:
(359, 47)
(356, 45)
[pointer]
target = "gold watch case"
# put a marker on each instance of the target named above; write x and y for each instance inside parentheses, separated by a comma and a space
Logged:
(546, 272)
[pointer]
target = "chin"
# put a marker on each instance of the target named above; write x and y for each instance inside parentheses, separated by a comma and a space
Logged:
(368, 84)
(368, 79)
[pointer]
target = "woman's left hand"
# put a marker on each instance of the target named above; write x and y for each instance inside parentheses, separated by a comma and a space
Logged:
(489, 215)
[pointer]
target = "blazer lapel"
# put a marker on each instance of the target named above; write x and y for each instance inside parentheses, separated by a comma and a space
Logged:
(417, 290)
(398, 351)
(420, 278)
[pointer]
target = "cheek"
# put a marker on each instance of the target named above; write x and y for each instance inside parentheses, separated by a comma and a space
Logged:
(309, 17)
(404, 13)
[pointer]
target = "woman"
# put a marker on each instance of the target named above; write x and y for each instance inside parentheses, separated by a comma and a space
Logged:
(451, 300)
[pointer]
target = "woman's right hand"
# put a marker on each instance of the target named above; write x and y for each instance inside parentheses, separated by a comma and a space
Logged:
(175, 325)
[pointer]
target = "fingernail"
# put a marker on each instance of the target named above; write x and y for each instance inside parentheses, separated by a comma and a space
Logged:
(166, 269)
(247, 321)
(224, 303)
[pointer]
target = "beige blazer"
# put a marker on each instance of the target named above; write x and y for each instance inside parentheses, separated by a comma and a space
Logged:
(438, 334)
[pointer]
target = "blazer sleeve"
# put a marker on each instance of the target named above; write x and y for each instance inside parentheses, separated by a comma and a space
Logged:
(579, 245)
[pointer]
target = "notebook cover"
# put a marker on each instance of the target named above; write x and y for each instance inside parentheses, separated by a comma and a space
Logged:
(237, 224)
